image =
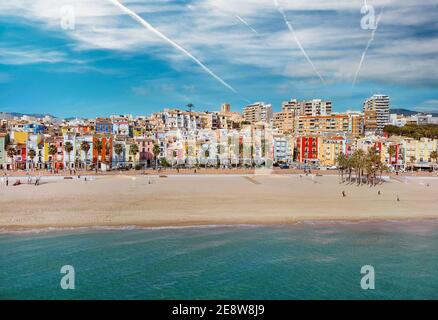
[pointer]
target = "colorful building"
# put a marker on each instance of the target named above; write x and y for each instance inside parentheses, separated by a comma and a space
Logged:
(307, 150)
(330, 148)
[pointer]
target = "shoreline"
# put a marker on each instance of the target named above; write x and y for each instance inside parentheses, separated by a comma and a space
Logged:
(315, 222)
(319, 222)
(202, 200)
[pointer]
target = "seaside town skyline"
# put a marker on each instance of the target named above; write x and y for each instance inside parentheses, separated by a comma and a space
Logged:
(306, 132)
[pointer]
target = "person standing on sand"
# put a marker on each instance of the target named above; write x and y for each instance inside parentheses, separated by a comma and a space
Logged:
(398, 199)
(343, 194)
(378, 192)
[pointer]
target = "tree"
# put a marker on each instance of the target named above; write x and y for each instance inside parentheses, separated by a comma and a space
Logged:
(53, 151)
(133, 149)
(11, 154)
(392, 151)
(98, 146)
(206, 156)
(434, 155)
(156, 151)
(174, 155)
(118, 150)
(163, 162)
(68, 147)
(240, 153)
(85, 147)
(358, 162)
(31, 154)
(341, 161)
(413, 130)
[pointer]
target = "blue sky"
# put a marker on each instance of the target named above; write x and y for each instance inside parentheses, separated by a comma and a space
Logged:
(109, 63)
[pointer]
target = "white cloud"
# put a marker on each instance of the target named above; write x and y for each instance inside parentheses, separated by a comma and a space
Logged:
(328, 29)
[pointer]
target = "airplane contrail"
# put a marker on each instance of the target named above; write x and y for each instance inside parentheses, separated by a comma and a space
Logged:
(247, 24)
(292, 30)
(366, 48)
(173, 43)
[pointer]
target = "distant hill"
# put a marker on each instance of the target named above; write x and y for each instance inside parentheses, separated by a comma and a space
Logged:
(18, 114)
(407, 112)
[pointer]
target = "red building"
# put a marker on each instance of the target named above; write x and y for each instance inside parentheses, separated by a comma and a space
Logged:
(307, 149)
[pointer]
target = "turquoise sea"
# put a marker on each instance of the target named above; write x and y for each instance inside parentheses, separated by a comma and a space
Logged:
(302, 261)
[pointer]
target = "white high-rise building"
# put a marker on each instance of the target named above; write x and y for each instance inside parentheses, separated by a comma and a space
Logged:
(379, 104)
(317, 107)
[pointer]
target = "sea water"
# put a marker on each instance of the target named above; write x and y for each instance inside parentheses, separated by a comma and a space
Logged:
(302, 261)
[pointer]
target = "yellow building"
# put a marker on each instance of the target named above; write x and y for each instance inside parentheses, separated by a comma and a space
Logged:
(418, 151)
(329, 148)
(20, 137)
(284, 121)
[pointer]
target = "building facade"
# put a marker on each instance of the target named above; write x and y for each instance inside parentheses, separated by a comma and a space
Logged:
(376, 110)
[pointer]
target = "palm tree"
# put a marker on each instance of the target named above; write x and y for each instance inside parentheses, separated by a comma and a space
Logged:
(85, 147)
(118, 149)
(358, 162)
(156, 151)
(434, 156)
(98, 146)
(190, 106)
(371, 165)
(11, 154)
(53, 151)
(174, 154)
(186, 149)
(31, 154)
(68, 147)
(391, 151)
(133, 149)
(206, 156)
(240, 152)
(342, 164)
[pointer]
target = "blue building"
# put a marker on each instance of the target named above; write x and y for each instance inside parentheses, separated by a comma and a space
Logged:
(104, 125)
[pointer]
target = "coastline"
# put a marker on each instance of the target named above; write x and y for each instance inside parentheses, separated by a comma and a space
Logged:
(200, 201)
(315, 222)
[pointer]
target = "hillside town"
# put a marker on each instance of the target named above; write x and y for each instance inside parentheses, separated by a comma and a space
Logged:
(304, 134)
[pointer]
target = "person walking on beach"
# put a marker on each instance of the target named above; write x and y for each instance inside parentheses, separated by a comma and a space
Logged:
(398, 199)
(378, 192)
(343, 194)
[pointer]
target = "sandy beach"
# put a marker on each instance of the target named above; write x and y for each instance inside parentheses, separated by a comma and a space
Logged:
(183, 200)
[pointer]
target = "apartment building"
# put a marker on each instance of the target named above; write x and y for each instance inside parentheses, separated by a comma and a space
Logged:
(317, 107)
(377, 107)
(330, 148)
(285, 122)
(306, 149)
(315, 125)
(257, 112)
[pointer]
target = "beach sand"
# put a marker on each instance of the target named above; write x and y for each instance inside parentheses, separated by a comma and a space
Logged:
(122, 200)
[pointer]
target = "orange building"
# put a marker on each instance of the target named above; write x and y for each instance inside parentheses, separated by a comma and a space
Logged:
(105, 155)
